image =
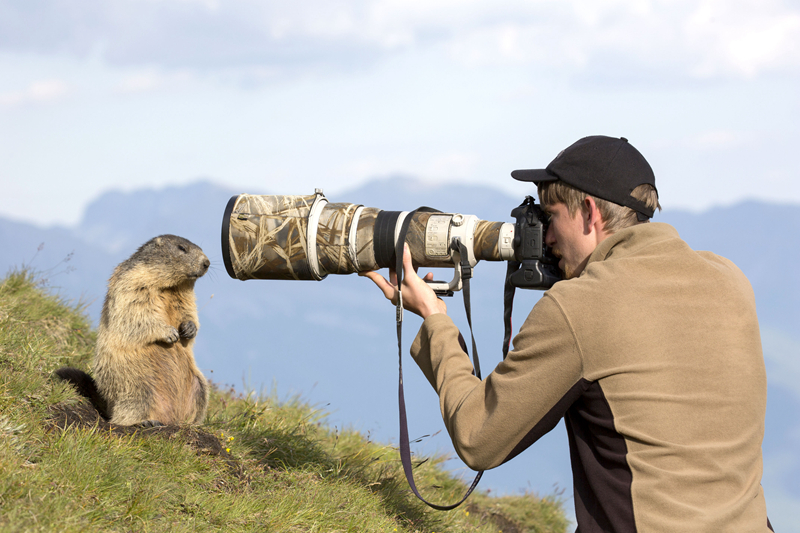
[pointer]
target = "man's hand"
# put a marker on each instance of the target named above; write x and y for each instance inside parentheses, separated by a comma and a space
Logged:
(417, 296)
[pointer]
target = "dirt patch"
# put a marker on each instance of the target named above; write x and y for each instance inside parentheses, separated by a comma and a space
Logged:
(84, 415)
(503, 523)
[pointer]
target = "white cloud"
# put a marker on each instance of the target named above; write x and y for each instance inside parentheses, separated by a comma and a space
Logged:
(712, 38)
(744, 37)
(38, 92)
(685, 38)
(147, 80)
(140, 82)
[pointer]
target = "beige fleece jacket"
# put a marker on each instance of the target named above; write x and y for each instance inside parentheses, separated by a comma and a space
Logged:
(653, 357)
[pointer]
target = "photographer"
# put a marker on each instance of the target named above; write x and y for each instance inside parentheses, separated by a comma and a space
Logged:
(649, 350)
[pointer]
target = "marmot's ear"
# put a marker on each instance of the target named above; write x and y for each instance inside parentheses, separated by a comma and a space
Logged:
(158, 241)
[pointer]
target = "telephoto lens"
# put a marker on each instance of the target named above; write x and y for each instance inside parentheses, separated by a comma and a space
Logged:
(307, 237)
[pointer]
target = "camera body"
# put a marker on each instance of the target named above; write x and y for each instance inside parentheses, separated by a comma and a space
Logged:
(308, 237)
(538, 266)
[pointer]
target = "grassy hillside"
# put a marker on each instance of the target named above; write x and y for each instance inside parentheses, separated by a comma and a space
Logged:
(257, 464)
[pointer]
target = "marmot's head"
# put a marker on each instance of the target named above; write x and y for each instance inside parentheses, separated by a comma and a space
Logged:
(167, 261)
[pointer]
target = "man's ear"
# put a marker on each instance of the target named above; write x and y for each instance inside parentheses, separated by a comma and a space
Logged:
(591, 215)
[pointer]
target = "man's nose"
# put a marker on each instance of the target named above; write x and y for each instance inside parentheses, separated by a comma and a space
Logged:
(549, 238)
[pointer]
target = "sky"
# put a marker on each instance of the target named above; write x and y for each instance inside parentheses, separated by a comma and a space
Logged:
(285, 97)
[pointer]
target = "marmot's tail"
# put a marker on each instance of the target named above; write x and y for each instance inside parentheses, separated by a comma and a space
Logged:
(86, 386)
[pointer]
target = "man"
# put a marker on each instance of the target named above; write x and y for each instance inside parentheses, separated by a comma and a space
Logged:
(649, 350)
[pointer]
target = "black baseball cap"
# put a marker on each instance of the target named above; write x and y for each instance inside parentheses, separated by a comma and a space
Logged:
(605, 167)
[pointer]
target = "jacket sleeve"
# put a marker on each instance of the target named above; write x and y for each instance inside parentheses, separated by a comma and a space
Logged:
(487, 419)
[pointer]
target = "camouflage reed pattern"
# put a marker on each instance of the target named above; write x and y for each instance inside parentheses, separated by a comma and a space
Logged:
(364, 241)
(487, 241)
(334, 249)
(268, 238)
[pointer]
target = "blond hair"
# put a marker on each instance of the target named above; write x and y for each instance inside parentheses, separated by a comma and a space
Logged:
(615, 216)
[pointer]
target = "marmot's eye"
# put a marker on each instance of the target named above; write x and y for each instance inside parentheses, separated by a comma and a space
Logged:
(182, 248)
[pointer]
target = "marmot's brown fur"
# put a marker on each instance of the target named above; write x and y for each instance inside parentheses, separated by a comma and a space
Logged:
(143, 367)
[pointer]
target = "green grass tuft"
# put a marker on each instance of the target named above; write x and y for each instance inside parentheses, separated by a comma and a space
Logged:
(256, 464)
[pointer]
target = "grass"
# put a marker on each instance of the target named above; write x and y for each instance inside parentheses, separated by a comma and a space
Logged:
(256, 464)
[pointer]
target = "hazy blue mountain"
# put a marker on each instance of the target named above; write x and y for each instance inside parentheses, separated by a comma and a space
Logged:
(333, 342)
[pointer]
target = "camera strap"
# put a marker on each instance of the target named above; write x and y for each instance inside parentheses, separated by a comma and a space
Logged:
(508, 304)
(405, 444)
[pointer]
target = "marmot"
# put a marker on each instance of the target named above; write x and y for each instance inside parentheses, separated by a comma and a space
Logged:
(144, 369)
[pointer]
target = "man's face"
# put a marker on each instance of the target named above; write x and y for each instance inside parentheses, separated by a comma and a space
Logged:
(568, 238)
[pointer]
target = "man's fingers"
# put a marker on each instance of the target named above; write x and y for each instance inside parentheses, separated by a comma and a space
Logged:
(389, 290)
(418, 297)
(408, 264)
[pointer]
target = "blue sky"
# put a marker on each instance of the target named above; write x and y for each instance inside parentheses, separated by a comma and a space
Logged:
(286, 97)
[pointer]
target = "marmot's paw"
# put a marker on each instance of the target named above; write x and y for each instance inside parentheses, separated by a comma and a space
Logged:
(172, 337)
(151, 424)
(188, 330)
